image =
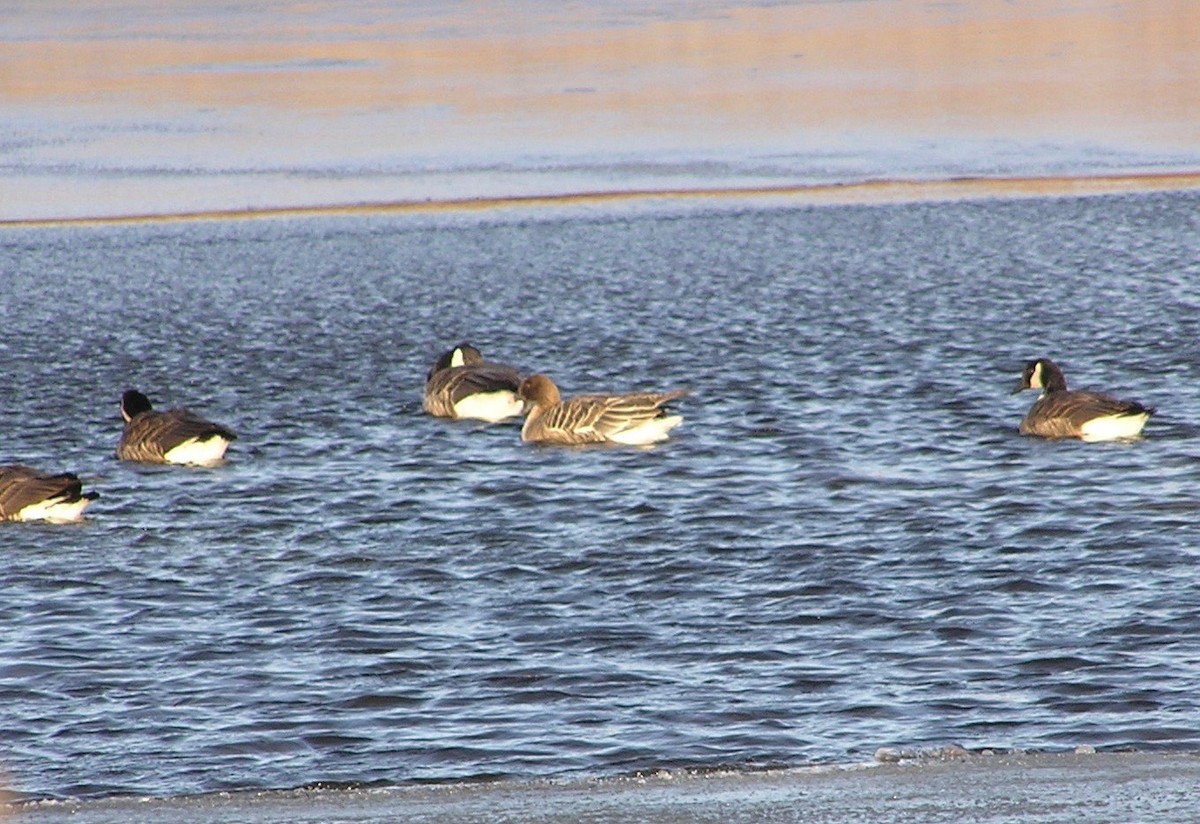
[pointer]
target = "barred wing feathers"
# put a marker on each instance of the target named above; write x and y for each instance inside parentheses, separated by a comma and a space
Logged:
(1070, 413)
(636, 418)
(152, 436)
(447, 388)
(49, 495)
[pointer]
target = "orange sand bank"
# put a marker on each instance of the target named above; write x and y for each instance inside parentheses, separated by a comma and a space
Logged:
(204, 107)
(853, 193)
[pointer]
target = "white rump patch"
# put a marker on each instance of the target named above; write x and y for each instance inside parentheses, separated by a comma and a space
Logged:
(652, 431)
(54, 511)
(490, 406)
(198, 453)
(1113, 427)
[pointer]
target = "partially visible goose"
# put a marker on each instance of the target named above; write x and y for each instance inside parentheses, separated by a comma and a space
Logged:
(29, 495)
(1063, 413)
(462, 384)
(176, 436)
(635, 419)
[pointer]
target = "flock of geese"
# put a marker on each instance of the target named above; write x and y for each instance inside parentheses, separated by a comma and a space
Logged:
(176, 436)
(463, 385)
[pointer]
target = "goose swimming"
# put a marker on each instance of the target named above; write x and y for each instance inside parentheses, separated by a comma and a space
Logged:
(636, 418)
(461, 384)
(176, 436)
(29, 495)
(1064, 413)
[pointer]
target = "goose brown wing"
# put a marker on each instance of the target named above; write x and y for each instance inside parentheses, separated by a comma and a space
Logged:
(1062, 414)
(185, 425)
(620, 412)
(1081, 407)
(151, 435)
(447, 387)
(436, 400)
(482, 377)
(574, 421)
(21, 486)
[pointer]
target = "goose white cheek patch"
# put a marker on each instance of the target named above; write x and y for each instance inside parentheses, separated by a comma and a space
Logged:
(1035, 379)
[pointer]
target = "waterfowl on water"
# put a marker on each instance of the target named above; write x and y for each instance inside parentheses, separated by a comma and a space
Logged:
(461, 384)
(1064, 413)
(636, 418)
(29, 495)
(176, 436)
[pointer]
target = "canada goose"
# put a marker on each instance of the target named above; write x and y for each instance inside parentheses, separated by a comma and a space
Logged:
(1063, 413)
(635, 418)
(462, 384)
(176, 436)
(29, 495)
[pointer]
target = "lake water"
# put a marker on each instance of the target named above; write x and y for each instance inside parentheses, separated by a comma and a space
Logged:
(846, 546)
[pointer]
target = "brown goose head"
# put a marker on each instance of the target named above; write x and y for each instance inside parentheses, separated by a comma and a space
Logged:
(538, 390)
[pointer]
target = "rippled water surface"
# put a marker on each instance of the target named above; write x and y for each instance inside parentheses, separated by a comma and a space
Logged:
(846, 546)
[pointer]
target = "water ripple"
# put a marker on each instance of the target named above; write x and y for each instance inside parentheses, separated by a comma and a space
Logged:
(847, 546)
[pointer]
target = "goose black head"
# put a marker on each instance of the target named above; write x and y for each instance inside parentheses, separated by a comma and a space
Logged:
(134, 403)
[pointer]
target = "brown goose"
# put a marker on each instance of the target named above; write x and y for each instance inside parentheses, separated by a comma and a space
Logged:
(462, 384)
(1063, 413)
(636, 418)
(29, 495)
(176, 436)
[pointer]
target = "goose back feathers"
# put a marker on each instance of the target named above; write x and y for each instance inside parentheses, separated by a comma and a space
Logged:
(29, 495)
(176, 436)
(1064, 413)
(461, 384)
(636, 418)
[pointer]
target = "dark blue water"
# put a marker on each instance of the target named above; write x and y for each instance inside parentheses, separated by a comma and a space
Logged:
(846, 546)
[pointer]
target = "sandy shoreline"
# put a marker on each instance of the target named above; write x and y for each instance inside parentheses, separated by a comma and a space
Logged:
(216, 111)
(1025, 788)
(867, 192)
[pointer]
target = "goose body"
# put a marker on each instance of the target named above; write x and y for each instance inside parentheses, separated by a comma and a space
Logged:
(1063, 413)
(29, 495)
(175, 436)
(462, 384)
(636, 418)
